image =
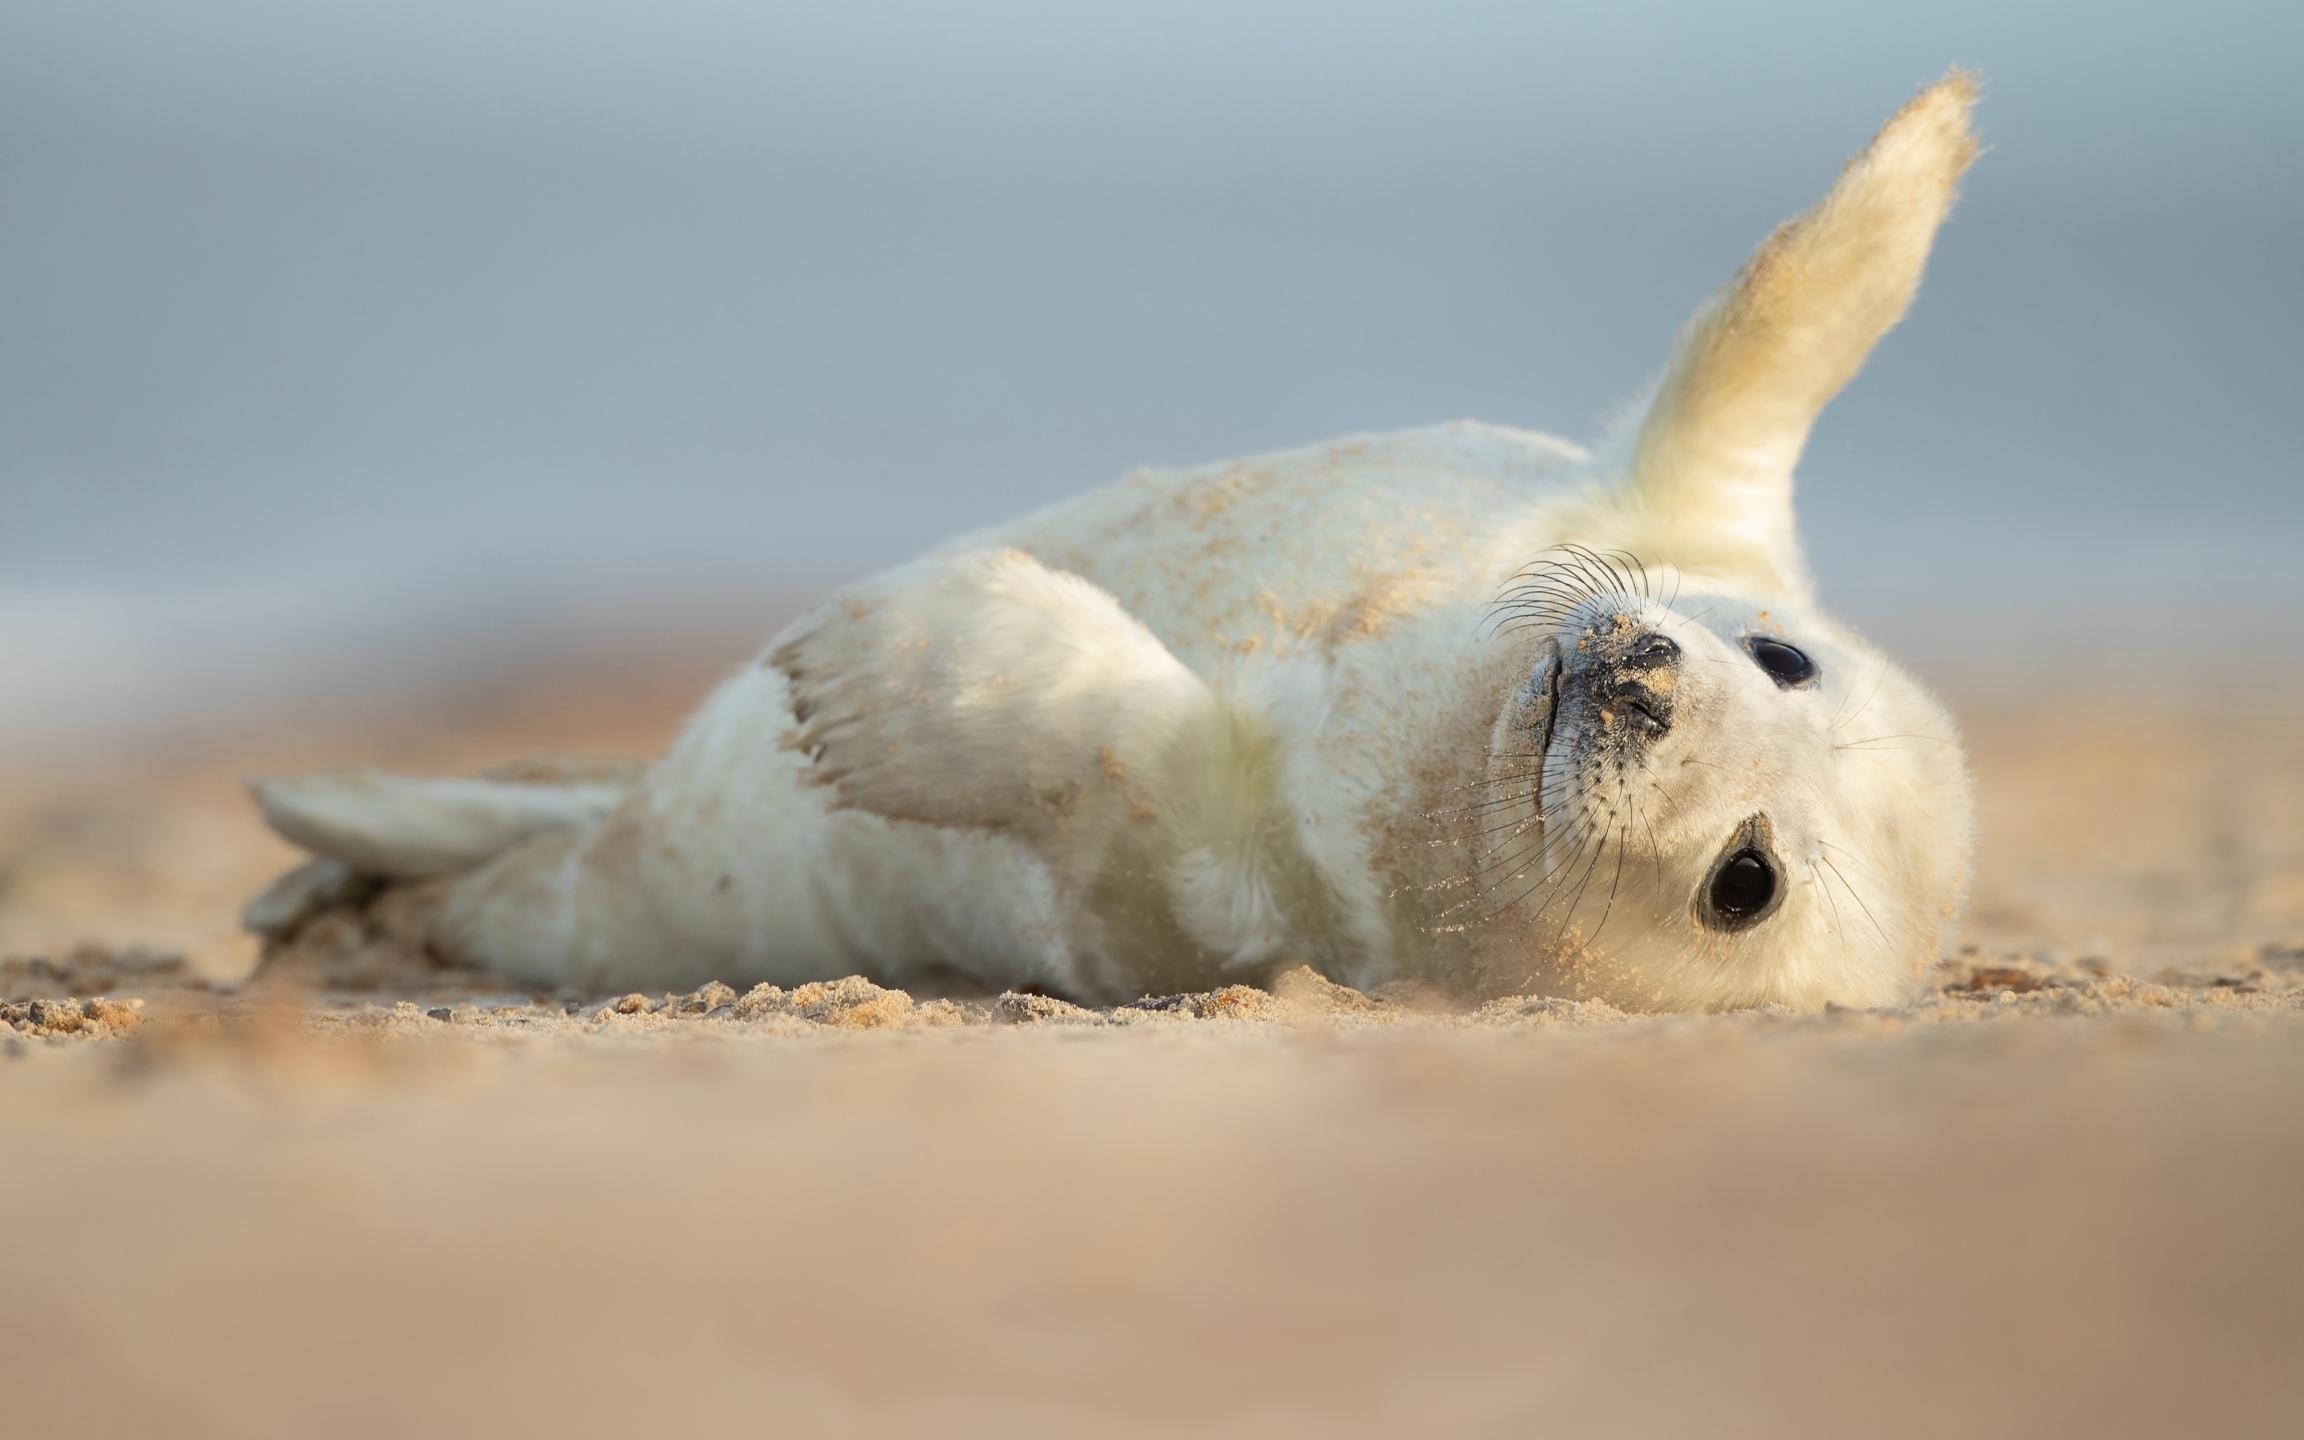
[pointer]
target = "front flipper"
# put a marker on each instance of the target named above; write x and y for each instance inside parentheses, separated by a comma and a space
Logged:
(984, 690)
(1711, 478)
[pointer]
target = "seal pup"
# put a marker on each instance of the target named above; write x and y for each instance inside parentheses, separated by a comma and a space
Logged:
(1466, 705)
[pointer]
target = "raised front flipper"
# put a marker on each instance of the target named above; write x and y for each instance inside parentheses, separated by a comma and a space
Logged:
(1710, 484)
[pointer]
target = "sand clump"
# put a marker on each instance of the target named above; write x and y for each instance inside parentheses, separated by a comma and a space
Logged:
(97, 1018)
(93, 970)
(2008, 989)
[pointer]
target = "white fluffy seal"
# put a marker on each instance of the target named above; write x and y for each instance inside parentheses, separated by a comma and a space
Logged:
(1466, 704)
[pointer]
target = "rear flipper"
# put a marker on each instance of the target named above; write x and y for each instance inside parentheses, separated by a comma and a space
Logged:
(364, 909)
(399, 827)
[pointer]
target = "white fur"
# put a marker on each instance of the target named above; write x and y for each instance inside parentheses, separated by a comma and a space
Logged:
(1207, 723)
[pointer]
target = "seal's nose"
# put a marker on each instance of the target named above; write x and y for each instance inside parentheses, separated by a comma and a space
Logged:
(1634, 685)
(1648, 651)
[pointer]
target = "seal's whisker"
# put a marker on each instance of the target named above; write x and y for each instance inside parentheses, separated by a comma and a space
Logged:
(1613, 886)
(1604, 576)
(1522, 861)
(1549, 591)
(1503, 789)
(1550, 578)
(1542, 573)
(1484, 781)
(1561, 587)
(1879, 739)
(1879, 678)
(1838, 927)
(1599, 849)
(1859, 899)
(1646, 591)
(1660, 790)
(1656, 848)
(1547, 605)
(1483, 879)
(1858, 861)
(1513, 827)
(1517, 901)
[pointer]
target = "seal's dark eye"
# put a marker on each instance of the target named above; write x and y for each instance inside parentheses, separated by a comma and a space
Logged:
(1742, 888)
(1786, 666)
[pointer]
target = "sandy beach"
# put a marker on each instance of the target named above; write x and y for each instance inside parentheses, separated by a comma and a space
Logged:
(440, 387)
(2055, 1197)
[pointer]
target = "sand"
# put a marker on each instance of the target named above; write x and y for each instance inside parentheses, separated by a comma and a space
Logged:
(2057, 1196)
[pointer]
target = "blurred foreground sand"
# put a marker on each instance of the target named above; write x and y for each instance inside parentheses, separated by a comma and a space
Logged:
(2070, 1209)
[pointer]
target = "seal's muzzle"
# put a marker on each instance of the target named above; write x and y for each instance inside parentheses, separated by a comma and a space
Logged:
(1628, 676)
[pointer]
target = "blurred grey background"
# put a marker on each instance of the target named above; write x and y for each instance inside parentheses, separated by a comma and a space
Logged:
(345, 344)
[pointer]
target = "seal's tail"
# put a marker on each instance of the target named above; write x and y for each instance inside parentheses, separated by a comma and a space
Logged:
(397, 827)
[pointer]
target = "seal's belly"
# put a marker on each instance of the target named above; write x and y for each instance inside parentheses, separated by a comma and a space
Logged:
(1306, 550)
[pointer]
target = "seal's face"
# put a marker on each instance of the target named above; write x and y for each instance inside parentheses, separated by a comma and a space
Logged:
(1694, 802)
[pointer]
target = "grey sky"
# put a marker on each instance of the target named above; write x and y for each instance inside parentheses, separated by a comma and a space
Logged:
(384, 303)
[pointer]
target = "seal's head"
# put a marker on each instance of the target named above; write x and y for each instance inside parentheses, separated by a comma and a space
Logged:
(1706, 800)
(1694, 802)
